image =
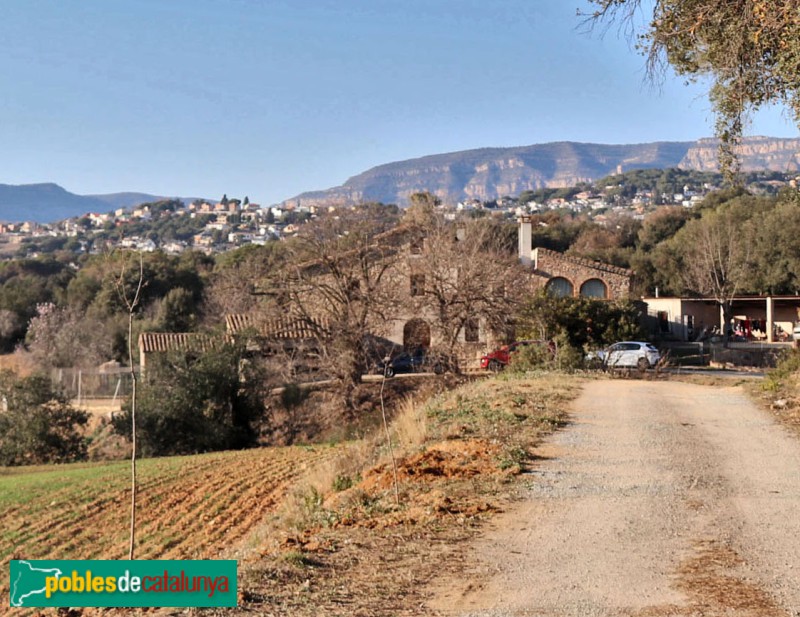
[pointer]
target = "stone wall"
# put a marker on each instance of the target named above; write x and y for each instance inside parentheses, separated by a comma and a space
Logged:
(548, 265)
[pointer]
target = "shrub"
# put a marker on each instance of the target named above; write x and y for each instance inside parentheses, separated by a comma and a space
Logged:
(37, 423)
(568, 358)
(788, 366)
(531, 357)
(580, 323)
(199, 403)
(342, 482)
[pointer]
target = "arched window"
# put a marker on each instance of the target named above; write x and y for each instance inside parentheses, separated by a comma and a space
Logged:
(559, 287)
(594, 288)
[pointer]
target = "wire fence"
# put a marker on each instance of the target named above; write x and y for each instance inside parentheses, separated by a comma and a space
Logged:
(82, 384)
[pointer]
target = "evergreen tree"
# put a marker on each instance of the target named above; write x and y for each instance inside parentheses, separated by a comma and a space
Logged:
(37, 423)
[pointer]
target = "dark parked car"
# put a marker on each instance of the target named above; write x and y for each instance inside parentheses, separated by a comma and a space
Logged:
(499, 358)
(417, 361)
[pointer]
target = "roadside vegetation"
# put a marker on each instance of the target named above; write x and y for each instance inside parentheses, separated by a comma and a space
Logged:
(780, 390)
(349, 541)
(575, 325)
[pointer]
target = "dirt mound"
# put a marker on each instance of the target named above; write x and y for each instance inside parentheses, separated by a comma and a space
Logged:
(421, 479)
(446, 459)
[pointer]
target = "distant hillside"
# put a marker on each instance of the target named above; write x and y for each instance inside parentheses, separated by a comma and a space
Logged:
(124, 200)
(489, 173)
(43, 203)
(48, 202)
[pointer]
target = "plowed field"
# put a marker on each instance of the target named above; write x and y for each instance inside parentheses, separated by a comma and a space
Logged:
(188, 507)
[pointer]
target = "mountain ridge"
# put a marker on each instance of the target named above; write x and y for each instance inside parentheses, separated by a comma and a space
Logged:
(489, 173)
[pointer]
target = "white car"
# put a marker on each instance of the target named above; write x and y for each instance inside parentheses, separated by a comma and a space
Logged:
(627, 354)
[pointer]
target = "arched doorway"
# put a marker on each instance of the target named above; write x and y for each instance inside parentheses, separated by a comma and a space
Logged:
(416, 334)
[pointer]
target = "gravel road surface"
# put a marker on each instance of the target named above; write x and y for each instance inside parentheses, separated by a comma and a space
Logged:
(661, 499)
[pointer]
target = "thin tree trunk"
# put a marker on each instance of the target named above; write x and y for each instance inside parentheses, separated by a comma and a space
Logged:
(131, 303)
(727, 316)
(389, 442)
(133, 436)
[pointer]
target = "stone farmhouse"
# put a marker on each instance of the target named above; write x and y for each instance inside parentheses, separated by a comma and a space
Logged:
(411, 326)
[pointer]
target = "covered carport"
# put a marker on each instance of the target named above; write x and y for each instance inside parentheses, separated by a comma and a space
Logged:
(761, 318)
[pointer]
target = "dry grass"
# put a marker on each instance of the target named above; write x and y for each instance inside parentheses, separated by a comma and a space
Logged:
(720, 381)
(410, 426)
(408, 431)
(302, 508)
(711, 579)
(779, 392)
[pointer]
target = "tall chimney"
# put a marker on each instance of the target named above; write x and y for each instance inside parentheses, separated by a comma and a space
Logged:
(525, 239)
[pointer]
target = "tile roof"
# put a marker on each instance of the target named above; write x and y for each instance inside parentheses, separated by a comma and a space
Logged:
(280, 328)
(150, 342)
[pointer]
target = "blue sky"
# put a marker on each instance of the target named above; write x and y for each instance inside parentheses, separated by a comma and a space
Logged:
(269, 98)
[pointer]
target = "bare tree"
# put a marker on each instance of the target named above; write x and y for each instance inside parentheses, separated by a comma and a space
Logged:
(231, 285)
(67, 337)
(716, 259)
(468, 274)
(342, 286)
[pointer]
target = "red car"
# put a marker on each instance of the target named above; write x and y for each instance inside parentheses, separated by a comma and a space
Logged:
(499, 358)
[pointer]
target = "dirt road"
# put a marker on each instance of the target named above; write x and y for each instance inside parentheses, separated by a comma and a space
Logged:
(662, 498)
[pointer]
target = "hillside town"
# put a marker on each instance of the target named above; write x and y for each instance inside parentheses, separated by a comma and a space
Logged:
(173, 226)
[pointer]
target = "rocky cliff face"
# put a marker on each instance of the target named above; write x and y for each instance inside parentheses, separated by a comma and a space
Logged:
(755, 154)
(489, 173)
